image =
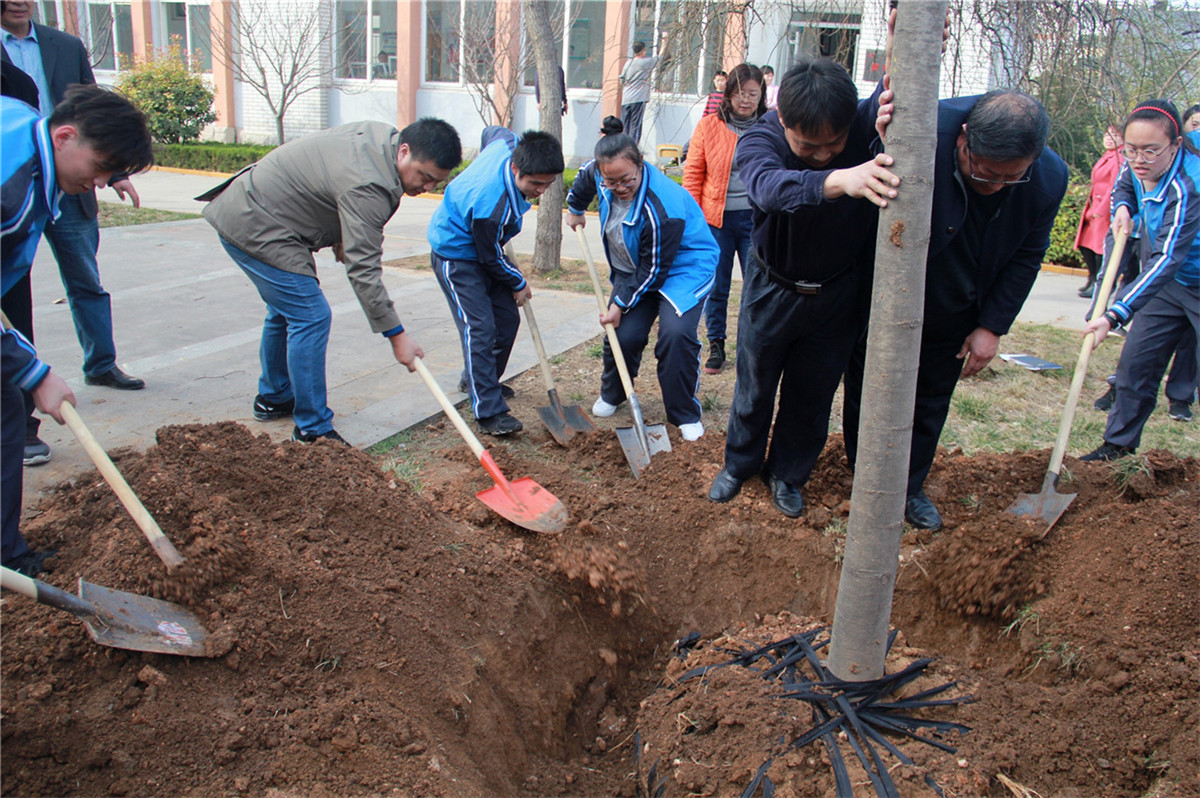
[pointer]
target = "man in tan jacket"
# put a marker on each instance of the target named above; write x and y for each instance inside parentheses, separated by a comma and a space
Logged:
(337, 188)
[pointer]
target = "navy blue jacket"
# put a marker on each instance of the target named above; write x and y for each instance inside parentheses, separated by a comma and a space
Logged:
(797, 232)
(1018, 235)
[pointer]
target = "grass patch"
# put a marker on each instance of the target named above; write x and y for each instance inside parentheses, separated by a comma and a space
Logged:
(116, 214)
(1127, 469)
(596, 350)
(711, 402)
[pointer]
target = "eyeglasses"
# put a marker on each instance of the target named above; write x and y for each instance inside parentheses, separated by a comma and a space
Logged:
(624, 182)
(747, 96)
(1145, 155)
(997, 181)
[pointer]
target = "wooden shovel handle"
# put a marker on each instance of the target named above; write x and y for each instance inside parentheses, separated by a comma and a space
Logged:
(547, 376)
(448, 408)
(613, 343)
(162, 546)
(1085, 353)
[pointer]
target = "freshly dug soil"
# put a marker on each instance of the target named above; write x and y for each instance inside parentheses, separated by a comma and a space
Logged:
(380, 641)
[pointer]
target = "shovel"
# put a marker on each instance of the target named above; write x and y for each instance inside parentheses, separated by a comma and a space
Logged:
(161, 544)
(1049, 505)
(118, 619)
(640, 442)
(563, 421)
(522, 501)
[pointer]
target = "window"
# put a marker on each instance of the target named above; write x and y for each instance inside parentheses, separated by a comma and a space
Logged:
(460, 41)
(585, 45)
(110, 32)
(47, 13)
(829, 35)
(188, 27)
(366, 39)
(695, 33)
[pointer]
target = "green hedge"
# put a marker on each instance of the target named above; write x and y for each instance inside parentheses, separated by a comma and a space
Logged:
(209, 157)
(1062, 238)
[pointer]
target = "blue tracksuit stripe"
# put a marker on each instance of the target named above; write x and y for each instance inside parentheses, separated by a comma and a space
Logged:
(1173, 226)
(461, 312)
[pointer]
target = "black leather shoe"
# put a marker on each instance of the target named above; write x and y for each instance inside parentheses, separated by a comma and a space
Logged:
(115, 378)
(1105, 403)
(505, 391)
(1106, 452)
(724, 487)
(785, 497)
(920, 512)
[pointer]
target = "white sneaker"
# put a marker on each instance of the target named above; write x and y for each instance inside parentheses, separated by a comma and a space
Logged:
(603, 409)
(692, 432)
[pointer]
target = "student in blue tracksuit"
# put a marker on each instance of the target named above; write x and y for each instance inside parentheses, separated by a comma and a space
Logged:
(481, 210)
(92, 134)
(1160, 182)
(663, 259)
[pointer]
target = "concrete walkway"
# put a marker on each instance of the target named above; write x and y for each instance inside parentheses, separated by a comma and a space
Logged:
(188, 322)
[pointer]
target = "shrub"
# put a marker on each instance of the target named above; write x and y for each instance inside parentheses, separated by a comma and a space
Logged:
(1062, 237)
(209, 157)
(176, 102)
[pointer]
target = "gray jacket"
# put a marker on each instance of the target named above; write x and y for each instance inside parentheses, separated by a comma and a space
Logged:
(337, 186)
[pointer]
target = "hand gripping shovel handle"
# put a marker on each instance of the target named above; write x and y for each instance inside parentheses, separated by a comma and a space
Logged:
(1085, 352)
(484, 457)
(162, 546)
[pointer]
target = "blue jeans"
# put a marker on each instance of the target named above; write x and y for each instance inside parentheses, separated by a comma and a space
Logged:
(75, 238)
(294, 338)
(733, 236)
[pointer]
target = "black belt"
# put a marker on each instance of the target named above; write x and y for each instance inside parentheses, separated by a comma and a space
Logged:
(807, 287)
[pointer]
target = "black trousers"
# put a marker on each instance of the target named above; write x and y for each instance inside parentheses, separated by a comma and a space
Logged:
(12, 449)
(796, 345)
(937, 376)
(677, 352)
(18, 306)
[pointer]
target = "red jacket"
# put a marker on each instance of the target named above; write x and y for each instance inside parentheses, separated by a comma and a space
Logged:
(1094, 221)
(709, 162)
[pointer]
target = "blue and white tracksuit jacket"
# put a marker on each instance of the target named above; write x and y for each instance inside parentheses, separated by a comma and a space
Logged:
(666, 234)
(29, 198)
(481, 210)
(1169, 223)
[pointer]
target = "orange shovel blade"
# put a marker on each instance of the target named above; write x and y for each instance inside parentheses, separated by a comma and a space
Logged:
(527, 504)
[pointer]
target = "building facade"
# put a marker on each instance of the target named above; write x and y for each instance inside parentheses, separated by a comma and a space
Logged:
(470, 61)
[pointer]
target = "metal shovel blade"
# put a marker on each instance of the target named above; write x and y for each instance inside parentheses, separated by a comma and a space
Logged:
(527, 504)
(563, 421)
(1048, 505)
(639, 457)
(141, 623)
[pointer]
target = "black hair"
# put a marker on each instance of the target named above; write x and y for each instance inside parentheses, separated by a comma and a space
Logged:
(720, 73)
(1165, 114)
(431, 139)
(765, 68)
(738, 77)
(110, 124)
(1192, 109)
(618, 145)
(1007, 125)
(639, 47)
(611, 125)
(817, 96)
(538, 153)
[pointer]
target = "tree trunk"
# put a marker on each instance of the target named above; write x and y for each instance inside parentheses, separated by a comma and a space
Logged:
(864, 600)
(547, 248)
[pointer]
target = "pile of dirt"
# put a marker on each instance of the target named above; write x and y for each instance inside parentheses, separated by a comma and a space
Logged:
(382, 641)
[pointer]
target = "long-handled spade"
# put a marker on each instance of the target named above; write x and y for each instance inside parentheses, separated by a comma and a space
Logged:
(1049, 504)
(119, 619)
(522, 501)
(640, 442)
(161, 544)
(563, 421)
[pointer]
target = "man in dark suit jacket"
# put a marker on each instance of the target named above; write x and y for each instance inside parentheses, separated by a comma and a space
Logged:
(55, 60)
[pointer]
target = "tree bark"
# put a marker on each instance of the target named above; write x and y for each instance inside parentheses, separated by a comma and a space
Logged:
(547, 248)
(864, 600)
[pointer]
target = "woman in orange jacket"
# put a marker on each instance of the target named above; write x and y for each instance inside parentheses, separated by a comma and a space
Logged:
(1093, 222)
(711, 176)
